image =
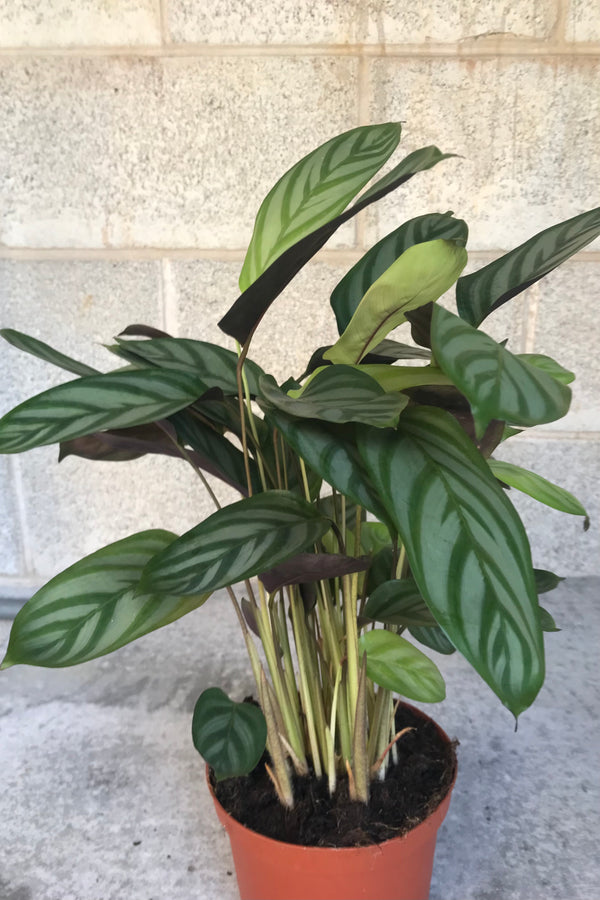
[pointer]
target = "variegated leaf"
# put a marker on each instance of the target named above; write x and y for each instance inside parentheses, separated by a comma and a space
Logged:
(433, 637)
(466, 545)
(247, 311)
(398, 602)
(314, 191)
(215, 366)
(331, 453)
(420, 276)
(537, 487)
(238, 541)
(497, 384)
(396, 664)
(548, 365)
(44, 351)
(337, 394)
(478, 294)
(94, 607)
(354, 285)
(96, 403)
(230, 736)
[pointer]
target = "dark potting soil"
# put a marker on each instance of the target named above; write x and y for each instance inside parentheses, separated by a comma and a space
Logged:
(412, 789)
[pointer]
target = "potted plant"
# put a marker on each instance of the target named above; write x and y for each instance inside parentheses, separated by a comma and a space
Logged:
(373, 524)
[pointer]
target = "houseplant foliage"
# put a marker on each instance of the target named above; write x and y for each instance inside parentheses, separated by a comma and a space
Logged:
(373, 522)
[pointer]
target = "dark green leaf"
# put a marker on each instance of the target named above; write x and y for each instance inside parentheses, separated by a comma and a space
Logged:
(537, 487)
(250, 307)
(478, 294)
(314, 191)
(396, 664)
(497, 384)
(545, 581)
(548, 623)
(44, 351)
(354, 285)
(398, 602)
(230, 736)
(332, 453)
(238, 541)
(214, 365)
(94, 607)
(466, 545)
(548, 365)
(96, 403)
(338, 394)
(381, 569)
(433, 637)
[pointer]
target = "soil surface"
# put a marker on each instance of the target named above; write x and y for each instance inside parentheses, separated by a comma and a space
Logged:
(412, 789)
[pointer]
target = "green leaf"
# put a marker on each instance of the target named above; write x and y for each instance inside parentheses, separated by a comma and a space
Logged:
(331, 453)
(230, 736)
(351, 289)
(548, 365)
(537, 487)
(215, 366)
(44, 351)
(338, 394)
(478, 294)
(94, 607)
(433, 637)
(398, 602)
(466, 545)
(547, 622)
(546, 581)
(401, 378)
(497, 384)
(374, 536)
(96, 403)
(396, 664)
(393, 350)
(314, 191)
(238, 541)
(247, 311)
(419, 276)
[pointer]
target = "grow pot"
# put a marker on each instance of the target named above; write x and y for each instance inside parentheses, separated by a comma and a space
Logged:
(395, 869)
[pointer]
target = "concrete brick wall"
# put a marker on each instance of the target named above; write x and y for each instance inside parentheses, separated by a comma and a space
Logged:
(138, 138)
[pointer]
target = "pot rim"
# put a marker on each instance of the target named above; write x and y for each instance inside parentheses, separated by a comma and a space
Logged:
(433, 820)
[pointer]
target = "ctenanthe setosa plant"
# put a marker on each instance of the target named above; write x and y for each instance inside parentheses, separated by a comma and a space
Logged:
(373, 520)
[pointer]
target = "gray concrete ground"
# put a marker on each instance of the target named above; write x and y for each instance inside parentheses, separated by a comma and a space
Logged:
(103, 795)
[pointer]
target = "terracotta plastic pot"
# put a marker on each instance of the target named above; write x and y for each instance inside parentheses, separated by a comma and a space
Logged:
(398, 869)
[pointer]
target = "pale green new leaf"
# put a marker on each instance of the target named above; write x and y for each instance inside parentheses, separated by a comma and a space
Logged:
(44, 351)
(396, 664)
(338, 394)
(351, 289)
(466, 545)
(314, 191)
(93, 607)
(230, 736)
(419, 276)
(497, 384)
(96, 403)
(238, 541)
(537, 487)
(478, 294)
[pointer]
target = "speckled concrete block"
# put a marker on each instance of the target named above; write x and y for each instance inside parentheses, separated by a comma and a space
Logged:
(583, 21)
(558, 541)
(356, 21)
(529, 132)
(37, 23)
(567, 329)
(168, 152)
(11, 561)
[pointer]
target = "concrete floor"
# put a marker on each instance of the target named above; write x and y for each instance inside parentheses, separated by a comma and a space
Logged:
(103, 795)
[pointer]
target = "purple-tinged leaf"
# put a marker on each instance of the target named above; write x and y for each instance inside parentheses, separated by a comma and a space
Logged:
(307, 567)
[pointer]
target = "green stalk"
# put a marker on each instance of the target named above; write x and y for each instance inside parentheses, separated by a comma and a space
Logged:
(360, 760)
(349, 586)
(297, 611)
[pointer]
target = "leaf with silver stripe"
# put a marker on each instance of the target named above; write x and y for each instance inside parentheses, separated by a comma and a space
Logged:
(537, 487)
(94, 607)
(230, 736)
(466, 545)
(479, 294)
(497, 384)
(314, 191)
(46, 352)
(96, 403)
(238, 541)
